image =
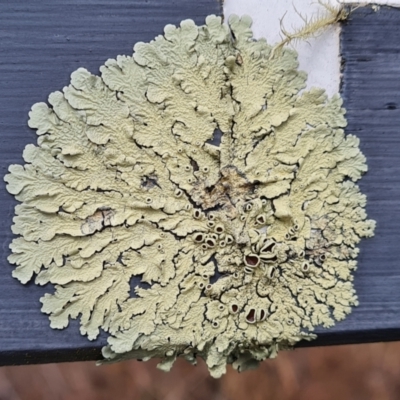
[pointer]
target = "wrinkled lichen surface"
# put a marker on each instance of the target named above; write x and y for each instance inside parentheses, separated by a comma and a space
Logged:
(175, 242)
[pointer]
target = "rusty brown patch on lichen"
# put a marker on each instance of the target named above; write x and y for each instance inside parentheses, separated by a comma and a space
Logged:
(231, 187)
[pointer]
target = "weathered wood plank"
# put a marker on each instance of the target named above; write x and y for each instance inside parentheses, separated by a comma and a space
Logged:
(370, 47)
(42, 43)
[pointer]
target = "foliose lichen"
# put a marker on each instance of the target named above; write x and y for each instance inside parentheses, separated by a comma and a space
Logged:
(238, 248)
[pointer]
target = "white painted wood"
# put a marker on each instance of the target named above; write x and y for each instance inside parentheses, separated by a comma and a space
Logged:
(395, 3)
(319, 56)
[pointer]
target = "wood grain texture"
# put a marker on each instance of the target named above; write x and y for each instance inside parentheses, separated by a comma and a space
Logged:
(370, 47)
(41, 43)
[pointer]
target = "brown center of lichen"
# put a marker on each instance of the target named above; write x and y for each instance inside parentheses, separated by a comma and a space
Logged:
(231, 188)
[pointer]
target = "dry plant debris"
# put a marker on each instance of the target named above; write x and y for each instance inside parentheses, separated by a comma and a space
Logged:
(233, 249)
(314, 25)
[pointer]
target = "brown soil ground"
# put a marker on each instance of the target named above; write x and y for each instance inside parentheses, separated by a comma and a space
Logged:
(359, 372)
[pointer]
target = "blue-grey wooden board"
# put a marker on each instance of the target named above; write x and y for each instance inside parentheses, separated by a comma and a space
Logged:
(42, 42)
(370, 48)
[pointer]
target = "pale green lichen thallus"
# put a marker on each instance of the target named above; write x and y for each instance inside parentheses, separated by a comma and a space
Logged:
(242, 246)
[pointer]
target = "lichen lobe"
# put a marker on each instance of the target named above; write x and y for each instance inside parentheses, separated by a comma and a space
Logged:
(241, 249)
